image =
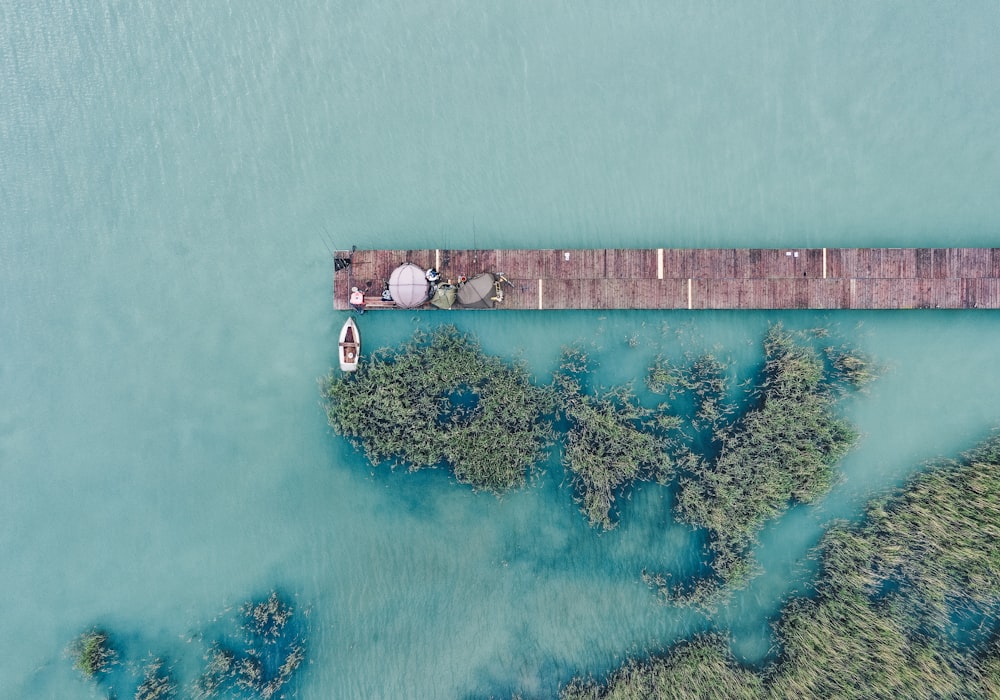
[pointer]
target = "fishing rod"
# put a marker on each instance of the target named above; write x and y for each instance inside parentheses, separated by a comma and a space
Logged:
(332, 255)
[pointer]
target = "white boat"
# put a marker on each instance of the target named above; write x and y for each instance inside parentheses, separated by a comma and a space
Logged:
(350, 346)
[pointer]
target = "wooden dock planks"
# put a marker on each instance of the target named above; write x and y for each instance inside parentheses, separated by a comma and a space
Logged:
(704, 278)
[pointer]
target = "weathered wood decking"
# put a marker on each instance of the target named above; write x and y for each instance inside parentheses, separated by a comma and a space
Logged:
(726, 278)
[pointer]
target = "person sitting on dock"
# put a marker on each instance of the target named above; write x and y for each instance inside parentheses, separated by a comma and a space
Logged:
(357, 300)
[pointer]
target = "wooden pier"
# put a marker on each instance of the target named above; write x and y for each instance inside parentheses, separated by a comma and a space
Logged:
(721, 278)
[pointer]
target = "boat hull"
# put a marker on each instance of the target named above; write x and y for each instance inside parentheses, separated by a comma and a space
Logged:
(349, 346)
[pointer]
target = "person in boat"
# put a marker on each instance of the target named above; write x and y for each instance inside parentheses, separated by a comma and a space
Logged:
(357, 300)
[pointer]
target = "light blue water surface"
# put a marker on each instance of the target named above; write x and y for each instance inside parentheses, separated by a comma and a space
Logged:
(172, 173)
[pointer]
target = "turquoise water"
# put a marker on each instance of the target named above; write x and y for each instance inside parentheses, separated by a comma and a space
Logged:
(170, 177)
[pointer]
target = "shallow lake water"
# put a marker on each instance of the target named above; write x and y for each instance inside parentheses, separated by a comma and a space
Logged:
(173, 175)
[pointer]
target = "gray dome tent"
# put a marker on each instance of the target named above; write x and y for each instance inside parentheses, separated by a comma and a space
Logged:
(408, 286)
(477, 292)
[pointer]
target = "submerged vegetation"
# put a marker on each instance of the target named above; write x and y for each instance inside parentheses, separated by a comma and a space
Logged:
(156, 683)
(737, 463)
(272, 652)
(259, 661)
(610, 442)
(907, 606)
(856, 368)
(701, 668)
(782, 449)
(92, 653)
(705, 381)
(439, 400)
(266, 619)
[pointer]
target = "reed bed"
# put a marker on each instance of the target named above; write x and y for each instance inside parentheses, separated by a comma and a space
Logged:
(440, 401)
(157, 683)
(701, 668)
(782, 449)
(883, 621)
(92, 653)
(704, 382)
(272, 651)
(259, 661)
(611, 440)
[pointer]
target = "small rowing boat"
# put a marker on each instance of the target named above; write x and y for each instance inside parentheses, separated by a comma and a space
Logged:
(349, 346)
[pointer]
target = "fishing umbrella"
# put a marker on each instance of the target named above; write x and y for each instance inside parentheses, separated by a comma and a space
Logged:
(408, 286)
(477, 292)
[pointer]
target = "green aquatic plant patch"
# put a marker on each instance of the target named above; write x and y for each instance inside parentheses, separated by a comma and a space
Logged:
(610, 442)
(782, 449)
(157, 683)
(440, 401)
(272, 650)
(259, 659)
(701, 668)
(92, 653)
(704, 380)
(937, 540)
